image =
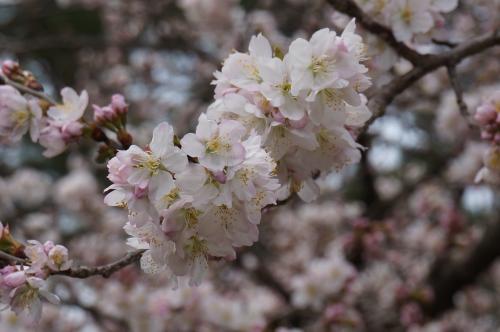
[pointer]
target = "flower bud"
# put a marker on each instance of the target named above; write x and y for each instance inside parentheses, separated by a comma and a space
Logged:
(47, 246)
(485, 114)
(15, 279)
(118, 104)
(103, 114)
(10, 68)
(58, 258)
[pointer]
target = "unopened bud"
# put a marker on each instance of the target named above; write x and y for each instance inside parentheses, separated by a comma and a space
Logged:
(125, 138)
(10, 68)
(118, 104)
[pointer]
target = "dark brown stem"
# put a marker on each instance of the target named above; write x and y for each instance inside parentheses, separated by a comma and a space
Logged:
(105, 271)
(25, 89)
(10, 258)
(382, 97)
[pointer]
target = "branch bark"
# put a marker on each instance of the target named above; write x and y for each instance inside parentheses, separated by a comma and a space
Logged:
(25, 89)
(105, 271)
(380, 98)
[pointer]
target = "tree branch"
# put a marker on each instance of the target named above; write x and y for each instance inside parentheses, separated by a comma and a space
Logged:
(11, 259)
(349, 7)
(25, 89)
(380, 98)
(105, 271)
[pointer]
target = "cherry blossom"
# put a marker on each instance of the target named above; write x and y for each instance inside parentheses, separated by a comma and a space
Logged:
(18, 115)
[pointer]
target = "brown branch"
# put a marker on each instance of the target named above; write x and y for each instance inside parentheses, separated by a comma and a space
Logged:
(105, 271)
(25, 89)
(382, 97)
(349, 7)
(10, 258)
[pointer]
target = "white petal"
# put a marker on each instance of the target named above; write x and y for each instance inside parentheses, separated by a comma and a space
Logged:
(192, 146)
(162, 141)
(260, 47)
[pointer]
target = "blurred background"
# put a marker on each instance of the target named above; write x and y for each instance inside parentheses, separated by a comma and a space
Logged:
(379, 227)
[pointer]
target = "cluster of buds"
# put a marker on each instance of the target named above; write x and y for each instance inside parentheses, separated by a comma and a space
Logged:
(488, 118)
(55, 125)
(22, 282)
(112, 117)
(13, 71)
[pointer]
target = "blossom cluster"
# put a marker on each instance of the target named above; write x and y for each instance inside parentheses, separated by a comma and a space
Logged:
(199, 197)
(488, 118)
(53, 128)
(409, 18)
(55, 125)
(23, 284)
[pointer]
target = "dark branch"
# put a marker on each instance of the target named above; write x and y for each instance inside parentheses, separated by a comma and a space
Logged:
(25, 89)
(106, 271)
(382, 97)
(10, 258)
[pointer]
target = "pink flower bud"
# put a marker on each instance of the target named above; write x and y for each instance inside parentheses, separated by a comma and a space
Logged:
(15, 279)
(485, 114)
(7, 270)
(47, 246)
(102, 114)
(9, 67)
(118, 104)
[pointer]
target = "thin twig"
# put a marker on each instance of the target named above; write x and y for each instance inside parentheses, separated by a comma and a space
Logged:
(10, 258)
(27, 90)
(382, 97)
(457, 88)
